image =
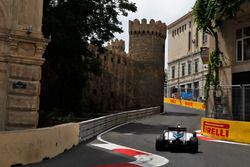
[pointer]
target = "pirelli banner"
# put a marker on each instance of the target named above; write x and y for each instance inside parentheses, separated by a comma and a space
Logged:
(185, 103)
(236, 131)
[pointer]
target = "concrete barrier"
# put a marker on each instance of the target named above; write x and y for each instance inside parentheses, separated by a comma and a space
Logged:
(185, 103)
(235, 131)
(29, 146)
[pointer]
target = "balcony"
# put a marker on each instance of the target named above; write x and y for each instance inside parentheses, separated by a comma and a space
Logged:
(204, 54)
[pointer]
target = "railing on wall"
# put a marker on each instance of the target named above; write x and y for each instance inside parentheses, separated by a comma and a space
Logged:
(93, 127)
(231, 102)
(30, 146)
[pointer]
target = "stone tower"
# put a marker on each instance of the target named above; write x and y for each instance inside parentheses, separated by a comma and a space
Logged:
(147, 50)
(21, 49)
(117, 46)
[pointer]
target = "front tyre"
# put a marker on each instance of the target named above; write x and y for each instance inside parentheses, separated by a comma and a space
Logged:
(159, 144)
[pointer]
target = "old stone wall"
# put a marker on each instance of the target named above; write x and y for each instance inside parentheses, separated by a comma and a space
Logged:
(147, 49)
(133, 80)
(21, 50)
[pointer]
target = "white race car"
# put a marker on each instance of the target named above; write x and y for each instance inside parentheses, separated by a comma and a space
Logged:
(177, 138)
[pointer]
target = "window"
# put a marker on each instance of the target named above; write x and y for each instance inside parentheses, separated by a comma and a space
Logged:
(196, 84)
(183, 65)
(246, 50)
(239, 50)
(189, 40)
(243, 44)
(204, 38)
(196, 65)
(189, 67)
(183, 88)
(173, 72)
(196, 90)
(189, 88)
(119, 61)
(174, 92)
(112, 59)
(190, 23)
(197, 39)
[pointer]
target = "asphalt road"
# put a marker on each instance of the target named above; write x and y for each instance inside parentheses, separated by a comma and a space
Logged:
(141, 135)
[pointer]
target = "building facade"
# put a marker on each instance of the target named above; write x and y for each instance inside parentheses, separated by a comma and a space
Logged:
(135, 79)
(186, 71)
(234, 38)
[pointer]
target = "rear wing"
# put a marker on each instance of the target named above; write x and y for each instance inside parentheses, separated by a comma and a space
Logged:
(177, 129)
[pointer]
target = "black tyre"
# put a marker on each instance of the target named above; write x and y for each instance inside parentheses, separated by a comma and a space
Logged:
(159, 144)
(194, 144)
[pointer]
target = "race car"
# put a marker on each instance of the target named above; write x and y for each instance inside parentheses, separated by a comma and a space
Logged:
(177, 138)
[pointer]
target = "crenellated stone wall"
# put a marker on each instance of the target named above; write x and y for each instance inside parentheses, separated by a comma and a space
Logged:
(133, 80)
(147, 49)
(146, 40)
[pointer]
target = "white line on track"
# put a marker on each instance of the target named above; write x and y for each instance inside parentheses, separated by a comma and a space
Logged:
(143, 158)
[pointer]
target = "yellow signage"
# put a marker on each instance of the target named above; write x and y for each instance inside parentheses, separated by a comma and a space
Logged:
(186, 103)
(236, 131)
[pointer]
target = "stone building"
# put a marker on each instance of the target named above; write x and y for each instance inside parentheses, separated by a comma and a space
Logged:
(234, 38)
(186, 71)
(135, 79)
(21, 49)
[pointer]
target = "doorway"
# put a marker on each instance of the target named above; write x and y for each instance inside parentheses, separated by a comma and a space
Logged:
(241, 96)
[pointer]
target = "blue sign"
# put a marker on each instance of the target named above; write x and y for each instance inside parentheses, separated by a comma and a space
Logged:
(186, 95)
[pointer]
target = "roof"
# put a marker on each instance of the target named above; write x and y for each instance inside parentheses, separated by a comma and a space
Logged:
(189, 14)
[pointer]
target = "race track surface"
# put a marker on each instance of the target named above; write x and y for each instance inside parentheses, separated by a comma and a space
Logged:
(141, 135)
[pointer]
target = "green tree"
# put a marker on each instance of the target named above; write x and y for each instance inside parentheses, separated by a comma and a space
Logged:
(209, 16)
(70, 27)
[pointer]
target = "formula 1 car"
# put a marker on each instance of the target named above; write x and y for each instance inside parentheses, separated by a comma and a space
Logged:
(177, 138)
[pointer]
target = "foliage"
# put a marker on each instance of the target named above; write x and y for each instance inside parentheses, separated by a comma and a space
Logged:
(70, 27)
(209, 16)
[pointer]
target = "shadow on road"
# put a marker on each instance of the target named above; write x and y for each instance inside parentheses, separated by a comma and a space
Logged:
(179, 150)
(181, 114)
(132, 128)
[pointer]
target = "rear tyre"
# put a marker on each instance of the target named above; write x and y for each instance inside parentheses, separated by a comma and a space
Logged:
(159, 144)
(194, 144)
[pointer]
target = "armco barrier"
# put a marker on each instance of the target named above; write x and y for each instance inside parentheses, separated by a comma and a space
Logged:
(29, 146)
(235, 131)
(185, 103)
(93, 127)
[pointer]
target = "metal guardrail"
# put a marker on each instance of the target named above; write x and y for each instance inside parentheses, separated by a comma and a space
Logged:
(51, 141)
(93, 127)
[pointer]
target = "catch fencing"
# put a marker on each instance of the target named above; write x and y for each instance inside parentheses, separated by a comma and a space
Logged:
(182, 93)
(231, 102)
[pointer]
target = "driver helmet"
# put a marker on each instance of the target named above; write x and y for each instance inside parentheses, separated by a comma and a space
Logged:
(178, 125)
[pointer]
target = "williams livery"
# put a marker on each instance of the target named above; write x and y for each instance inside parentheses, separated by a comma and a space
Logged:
(177, 138)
